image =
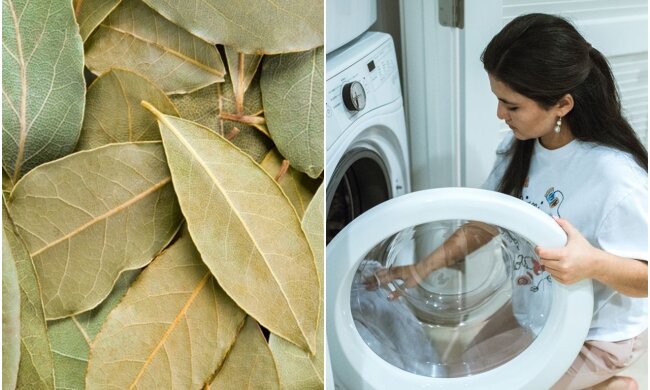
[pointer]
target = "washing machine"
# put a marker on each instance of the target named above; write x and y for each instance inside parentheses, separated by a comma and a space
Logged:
(494, 319)
(366, 141)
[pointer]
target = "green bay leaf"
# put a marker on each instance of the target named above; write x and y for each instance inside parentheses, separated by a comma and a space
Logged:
(124, 119)
(43, 87)
(90, 13)
(298, 187)
(10, 317)
(36, 369)
(252, 26)
(91, 215)
(248, 233)
(300, 369)
(136, 38)
(249, 364)
(292, 93)
(171, 330)
(71, 337)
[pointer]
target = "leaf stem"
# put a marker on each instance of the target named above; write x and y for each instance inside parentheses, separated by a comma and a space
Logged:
(246, 119)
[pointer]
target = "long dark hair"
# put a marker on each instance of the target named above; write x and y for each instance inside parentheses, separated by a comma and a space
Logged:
(543, 57)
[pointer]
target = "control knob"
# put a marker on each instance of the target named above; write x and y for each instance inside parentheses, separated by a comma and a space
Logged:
(354, 96)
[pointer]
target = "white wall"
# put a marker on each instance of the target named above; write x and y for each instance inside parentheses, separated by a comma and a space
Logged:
(451, 113)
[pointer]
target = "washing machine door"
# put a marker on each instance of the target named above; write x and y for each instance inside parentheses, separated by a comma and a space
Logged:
(492, 320)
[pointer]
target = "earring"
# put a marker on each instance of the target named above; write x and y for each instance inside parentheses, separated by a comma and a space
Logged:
(557, 125)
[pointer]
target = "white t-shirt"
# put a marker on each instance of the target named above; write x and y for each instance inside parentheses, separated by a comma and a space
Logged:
(603, 192)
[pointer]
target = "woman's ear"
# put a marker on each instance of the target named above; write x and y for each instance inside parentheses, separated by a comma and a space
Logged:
(564, 105)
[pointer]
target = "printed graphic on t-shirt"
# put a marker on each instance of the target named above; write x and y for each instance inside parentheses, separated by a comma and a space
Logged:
(549, 203)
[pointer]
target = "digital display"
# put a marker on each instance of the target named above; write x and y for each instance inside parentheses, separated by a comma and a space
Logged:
(371, 66)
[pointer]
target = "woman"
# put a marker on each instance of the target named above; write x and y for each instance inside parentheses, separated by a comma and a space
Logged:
(573, 155)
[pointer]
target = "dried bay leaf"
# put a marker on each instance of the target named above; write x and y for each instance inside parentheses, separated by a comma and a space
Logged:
(249, 364)
(89, 216)
(313, 224)
(176, 321)
(299, 369)
(36, 368)
(43, 87)
(136, 38)
(248, 233)
(252, 26)
(292, 93)
(90, 13)
(124, 119)
(71, 337)
(7, 184)
(232, 108)
(10, 318)
(298, 187)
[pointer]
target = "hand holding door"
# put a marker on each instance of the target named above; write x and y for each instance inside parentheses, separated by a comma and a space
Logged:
(462, 242)
(580, 260)
(572, 263)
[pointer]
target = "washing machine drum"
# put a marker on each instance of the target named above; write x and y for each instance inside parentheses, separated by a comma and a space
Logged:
(492, 319)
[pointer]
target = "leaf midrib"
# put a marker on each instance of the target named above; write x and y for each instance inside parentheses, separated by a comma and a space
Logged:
(167, 49)
(161, 117)
(172, 326)
(22, 120)
(104, 216)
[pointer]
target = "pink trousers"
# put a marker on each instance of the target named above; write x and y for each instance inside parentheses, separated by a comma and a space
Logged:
(596, 362)
(601, 360)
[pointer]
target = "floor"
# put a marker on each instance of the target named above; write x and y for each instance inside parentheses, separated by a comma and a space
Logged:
(639, 371)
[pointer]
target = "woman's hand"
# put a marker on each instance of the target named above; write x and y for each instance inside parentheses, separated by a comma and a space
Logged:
(579, 260)
(411, 275)
(572, 263)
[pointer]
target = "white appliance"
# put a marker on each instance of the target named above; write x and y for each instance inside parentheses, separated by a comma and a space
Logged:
(361, 359)
(366, 141)
(347, 20)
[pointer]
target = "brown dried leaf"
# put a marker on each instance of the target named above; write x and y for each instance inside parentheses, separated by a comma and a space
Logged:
(171, 330)
(245, 228)
(124, 119)
(252, 26)
(249, 365)
(96, 212)
(136, 38)
(299, 369)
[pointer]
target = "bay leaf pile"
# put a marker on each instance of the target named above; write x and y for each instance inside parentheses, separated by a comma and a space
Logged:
(162, 194)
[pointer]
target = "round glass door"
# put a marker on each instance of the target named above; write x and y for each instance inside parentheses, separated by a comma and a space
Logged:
(489, 318)
(479, 309)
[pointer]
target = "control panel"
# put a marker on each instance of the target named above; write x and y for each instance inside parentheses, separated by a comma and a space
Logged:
(360, 77)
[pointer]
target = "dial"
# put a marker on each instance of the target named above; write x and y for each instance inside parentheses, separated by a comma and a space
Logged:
(354, 96)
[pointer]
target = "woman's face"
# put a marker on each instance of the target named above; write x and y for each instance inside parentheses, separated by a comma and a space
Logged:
(526, 118)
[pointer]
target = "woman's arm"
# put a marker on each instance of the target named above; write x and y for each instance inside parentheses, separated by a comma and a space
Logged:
(468, 238)
(579, 260)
